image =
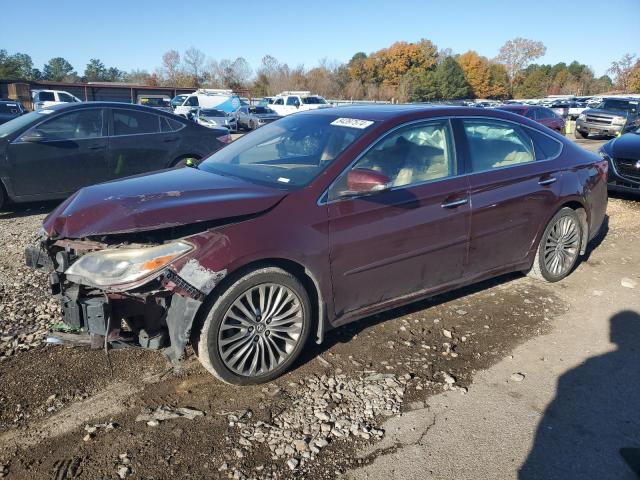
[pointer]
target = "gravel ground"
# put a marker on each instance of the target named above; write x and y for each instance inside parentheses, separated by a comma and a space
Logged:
(72, 413)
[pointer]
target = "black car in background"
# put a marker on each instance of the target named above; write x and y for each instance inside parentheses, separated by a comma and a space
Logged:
(10, 110)
(51, 153)
(623, 155)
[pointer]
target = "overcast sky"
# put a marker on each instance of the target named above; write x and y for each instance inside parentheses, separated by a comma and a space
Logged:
(134, 34)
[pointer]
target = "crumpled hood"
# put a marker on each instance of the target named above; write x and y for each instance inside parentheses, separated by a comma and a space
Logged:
(626, 146)
(155, 201)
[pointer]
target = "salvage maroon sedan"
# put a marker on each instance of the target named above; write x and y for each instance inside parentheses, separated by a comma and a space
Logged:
(314, 221)
(543, 115)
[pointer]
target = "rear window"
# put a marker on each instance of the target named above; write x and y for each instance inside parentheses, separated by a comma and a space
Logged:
(314, 100)
(131, 122)
(9, 108)
(46, 97)
(170, 125)
(545, 146)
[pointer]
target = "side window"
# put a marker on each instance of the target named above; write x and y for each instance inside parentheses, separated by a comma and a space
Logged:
(46, 97)
(495, 144)
(130, 122)
(192, 101)
(73, 126)
(545, 146)
(414, 154)
(293, 101)
(531, 113)
(279, 101)
(170, 125)
(65, 97)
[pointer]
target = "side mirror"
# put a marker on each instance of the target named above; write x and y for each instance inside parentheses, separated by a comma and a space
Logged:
(34, 136)
(362, 181)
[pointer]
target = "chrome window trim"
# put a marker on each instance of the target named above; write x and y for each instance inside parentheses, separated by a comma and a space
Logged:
(113, 109)
(323, 198)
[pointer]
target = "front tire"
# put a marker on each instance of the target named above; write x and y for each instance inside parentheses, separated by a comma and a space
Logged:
(579, 135)
(559, 247)
(256, 328)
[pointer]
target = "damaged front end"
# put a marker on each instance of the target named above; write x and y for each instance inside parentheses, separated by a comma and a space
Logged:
(127, 294)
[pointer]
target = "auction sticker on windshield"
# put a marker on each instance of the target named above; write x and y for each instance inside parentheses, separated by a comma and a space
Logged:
(352, 123)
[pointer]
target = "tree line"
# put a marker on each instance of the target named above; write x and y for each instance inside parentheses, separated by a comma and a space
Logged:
(404, 71)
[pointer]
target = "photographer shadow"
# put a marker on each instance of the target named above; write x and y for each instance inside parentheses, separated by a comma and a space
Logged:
(591, 430)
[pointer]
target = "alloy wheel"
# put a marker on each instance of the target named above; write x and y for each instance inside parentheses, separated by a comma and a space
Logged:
(561, 246)
(260, 330)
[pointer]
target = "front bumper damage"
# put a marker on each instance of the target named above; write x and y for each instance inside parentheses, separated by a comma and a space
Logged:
(159, 314)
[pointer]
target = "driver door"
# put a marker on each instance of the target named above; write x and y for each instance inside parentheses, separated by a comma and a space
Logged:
(70, 153)
(410, 237)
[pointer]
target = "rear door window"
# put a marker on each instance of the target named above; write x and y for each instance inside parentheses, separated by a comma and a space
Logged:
(46, 97)
(131, 122)
(494, 144)
(65, 97)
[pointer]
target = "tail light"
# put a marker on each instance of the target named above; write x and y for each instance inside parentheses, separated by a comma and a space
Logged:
(225, 138)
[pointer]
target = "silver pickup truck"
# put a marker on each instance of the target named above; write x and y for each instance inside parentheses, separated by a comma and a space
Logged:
(611, 117)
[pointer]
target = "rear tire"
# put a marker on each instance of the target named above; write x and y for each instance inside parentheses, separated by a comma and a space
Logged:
(256, 328)
(559, 247)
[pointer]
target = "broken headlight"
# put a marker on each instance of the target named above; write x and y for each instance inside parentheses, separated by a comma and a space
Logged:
(124, 266)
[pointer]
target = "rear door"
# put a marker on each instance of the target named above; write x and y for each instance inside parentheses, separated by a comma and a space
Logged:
(138, 142)
(514, 183)
(71, 154)
(411, 237)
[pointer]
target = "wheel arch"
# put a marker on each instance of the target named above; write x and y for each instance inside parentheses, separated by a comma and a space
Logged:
(578, 206)
(299, 271)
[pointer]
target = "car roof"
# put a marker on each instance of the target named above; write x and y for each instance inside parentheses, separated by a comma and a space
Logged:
(81, 105)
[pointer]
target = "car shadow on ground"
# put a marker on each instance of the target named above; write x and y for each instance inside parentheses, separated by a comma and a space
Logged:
(591, 430)
(19, 210)
(346, 333)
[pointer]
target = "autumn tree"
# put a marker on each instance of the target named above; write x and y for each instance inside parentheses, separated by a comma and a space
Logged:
(477, 72)
(516, 54)
(621, 71)
(634, 79)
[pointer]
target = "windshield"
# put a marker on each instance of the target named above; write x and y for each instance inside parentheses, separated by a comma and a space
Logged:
(260, 110)
(618, 105)
(314, 100)
(22, 121)
(211, 112)
(288, 153)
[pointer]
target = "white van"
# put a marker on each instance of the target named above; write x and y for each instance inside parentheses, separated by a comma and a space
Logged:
(48, 98)
(286, 103)
(224, 100)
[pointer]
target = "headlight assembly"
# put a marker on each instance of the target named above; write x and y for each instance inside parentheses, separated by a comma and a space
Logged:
(582, 116)
(124, 266)
(619, 120)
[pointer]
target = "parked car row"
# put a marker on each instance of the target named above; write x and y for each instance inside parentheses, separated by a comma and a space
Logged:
(52, 152)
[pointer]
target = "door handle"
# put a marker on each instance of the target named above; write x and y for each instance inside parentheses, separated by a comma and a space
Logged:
(97, 147)
(455, 203)
(171, 139)
(547, 181)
